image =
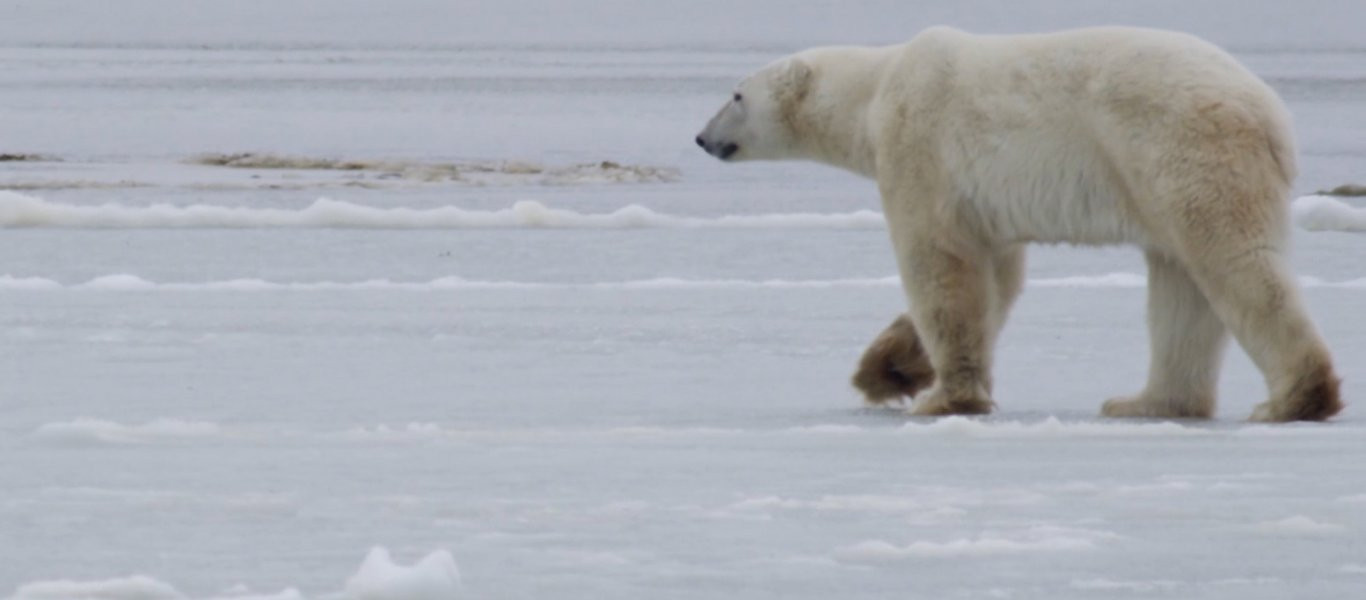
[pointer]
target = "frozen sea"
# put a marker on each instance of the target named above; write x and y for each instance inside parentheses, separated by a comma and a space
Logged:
(521, 339)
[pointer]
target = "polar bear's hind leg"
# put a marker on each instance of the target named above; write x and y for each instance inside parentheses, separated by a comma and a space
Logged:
(1241, 269)
(1187, 343)
(1256, 297)
(1008, 273)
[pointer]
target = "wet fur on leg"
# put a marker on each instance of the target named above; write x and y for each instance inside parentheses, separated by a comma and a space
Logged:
(1313, 397)
(894, 366)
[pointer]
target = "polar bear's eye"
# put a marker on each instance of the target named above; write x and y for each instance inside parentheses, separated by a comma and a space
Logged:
(738, 97)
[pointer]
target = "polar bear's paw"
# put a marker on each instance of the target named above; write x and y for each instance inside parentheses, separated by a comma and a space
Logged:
(938, 403)
(894, 366)
(1314, 397)
(1145, 407)
(888, 384)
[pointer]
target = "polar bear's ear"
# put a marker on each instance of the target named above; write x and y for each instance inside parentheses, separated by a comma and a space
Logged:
(795, 79)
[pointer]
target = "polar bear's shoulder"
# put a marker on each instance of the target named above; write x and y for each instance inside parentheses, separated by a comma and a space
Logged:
(940, 34)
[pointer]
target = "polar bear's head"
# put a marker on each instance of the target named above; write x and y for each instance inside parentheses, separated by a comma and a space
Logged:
(758, 122)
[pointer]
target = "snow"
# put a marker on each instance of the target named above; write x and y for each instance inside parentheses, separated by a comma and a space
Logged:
(880, 551)
(434, 577)
(1111, 585)
(18, 210)
(1326, 213)
(123, 282)
(88, 430)
(1298, 525)
(1107, 280)
(287, 284)
(285, 594)
(136, 587)
(1050, 427)
(1315, 213)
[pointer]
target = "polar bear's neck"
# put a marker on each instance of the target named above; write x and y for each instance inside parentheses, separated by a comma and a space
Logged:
(832, 120)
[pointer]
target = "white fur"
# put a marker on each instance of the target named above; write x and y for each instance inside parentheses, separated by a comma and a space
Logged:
(980, 144)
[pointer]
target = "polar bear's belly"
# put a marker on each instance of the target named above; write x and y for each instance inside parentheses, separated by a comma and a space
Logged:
(1047, 190)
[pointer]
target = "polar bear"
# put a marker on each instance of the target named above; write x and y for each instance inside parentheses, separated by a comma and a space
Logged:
(981, 144)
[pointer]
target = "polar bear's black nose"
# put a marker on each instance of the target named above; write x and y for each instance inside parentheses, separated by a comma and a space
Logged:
(701, 142)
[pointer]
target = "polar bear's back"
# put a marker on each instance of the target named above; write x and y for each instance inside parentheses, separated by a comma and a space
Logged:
(1096, 124)
(1123, 77)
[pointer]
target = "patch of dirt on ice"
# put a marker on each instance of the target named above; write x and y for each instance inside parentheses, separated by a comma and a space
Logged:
(508, 172)
(60, 184)
(23, 157)
(1347, 189)
(288, 186)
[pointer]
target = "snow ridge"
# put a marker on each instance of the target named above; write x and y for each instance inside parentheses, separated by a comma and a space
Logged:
(123, 282)
(1315, 213)
(1325, 213)
(434, 577)
(18, 210)
(86, 430)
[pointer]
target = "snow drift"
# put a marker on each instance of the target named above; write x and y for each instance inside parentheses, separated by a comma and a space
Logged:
(1325, 213)
(434, 577)
(136, 587)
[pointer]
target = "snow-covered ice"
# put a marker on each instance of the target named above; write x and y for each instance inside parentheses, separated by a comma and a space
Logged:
(1324, 213)
(1298, 525)
(1315, 213)
(86, 430)
(434, 577)
(345, 300)
(136, 587)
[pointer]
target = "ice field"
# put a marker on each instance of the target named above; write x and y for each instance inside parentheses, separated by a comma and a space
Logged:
(418, 300)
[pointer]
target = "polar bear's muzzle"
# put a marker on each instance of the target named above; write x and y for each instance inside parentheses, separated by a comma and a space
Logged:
(720, 150)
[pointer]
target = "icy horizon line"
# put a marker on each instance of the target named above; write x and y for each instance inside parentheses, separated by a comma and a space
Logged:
(1312, 213)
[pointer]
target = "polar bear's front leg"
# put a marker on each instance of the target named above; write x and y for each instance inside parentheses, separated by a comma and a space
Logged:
(952, 307)
(1187, 344)
(895, 364)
